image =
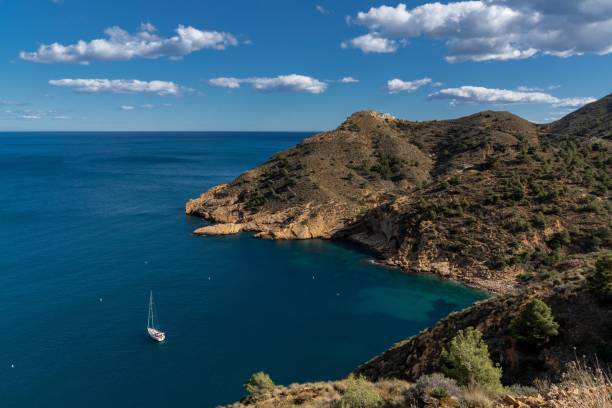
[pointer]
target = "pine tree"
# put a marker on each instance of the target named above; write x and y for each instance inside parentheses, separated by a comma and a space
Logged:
(536, 324)
(466, 359)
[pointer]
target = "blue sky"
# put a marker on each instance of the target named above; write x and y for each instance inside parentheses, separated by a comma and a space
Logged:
(278, 65)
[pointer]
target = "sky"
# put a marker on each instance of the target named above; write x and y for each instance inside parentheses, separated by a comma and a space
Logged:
(294, 64)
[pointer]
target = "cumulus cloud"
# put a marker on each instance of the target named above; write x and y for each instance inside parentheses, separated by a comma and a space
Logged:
(397, 85)
(162, 88)
(479, 94)
(292, 83)
(481, 30)
(349, 80)
(372, 43)
(121, 45)
(225, 82)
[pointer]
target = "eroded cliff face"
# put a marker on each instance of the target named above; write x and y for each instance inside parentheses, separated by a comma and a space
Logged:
(485, 199)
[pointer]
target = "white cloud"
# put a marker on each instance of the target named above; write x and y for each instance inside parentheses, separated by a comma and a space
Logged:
(397, 85)
(573, 102)
(145, 106)
(322, 10)
(121, 45)
(36, 114)
(372, 43)
(225, 82)
(529, 89)
(292, 83)
(478, 94)
(349, 80)
(480, 30)
(161, 88)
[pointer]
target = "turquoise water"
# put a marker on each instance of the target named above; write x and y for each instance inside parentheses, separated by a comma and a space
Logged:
(90, 222)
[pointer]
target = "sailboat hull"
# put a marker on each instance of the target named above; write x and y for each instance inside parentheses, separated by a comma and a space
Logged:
(156, 335)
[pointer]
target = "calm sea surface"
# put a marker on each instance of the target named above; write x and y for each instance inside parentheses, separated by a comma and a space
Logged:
(89, 223)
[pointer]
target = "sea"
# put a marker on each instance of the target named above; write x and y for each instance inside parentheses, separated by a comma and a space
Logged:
(90, 223)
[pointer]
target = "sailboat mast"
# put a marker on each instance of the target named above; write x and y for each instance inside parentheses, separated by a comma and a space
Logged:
(150, 316)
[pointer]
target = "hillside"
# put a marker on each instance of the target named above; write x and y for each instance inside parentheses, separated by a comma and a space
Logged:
(492, 200)
(585, 330)
(593, 120)
(489, 199)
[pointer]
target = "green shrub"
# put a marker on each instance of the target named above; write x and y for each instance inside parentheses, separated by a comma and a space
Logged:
(559, 240)
(466, 359)
(435, 385)
(438, 393)
(360, 394)
(536, 324)
(258, 385)
(601, 281)
(538, 220)
(517, 226)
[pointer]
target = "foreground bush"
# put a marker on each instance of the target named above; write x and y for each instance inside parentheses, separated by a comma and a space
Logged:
(536, 324)
(258, 385)
(435, 385)
(466, 359)
(360, 394)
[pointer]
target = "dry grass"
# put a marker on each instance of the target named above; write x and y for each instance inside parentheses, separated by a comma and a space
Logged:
(474, 397)
(584, 386)
(394, 392)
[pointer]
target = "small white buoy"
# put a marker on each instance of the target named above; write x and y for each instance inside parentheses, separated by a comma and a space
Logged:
(338, 294)
(12, 365)
(209, 278)
(146, 262)
(312, 276)
(100, 299)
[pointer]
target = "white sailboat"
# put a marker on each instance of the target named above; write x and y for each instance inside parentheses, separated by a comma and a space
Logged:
(153, 332)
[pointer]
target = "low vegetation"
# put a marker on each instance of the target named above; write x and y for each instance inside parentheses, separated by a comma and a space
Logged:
(258, 385)
(580, 386)
(359, 393)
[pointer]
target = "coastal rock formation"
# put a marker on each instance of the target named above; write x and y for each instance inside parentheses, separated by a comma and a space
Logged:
(485, 199)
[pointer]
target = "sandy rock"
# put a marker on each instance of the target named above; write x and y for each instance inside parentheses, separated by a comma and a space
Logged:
(219, 229)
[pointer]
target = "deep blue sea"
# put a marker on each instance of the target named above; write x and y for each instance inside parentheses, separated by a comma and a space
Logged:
(90, 222)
